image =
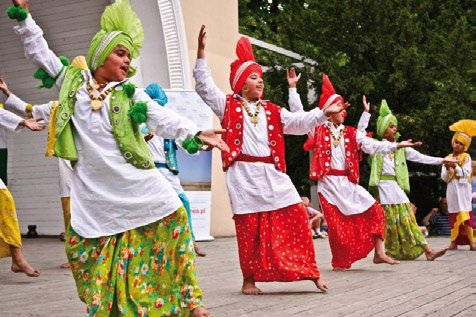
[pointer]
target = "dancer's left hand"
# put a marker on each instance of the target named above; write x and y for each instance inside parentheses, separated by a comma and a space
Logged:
(366, 104)
(336, 108)
(292, 77)
(408, 143)
(212, 137)
(32, 124)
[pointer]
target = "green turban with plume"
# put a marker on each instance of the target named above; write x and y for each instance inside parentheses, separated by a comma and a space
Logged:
(120, 25)
(386, 117)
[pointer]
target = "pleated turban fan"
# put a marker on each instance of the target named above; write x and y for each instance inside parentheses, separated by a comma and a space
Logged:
(464, 131)
(120, 25)
(328, 96)
(385, 118)
(244, 65)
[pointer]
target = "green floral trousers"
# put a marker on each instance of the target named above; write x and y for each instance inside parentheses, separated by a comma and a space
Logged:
(146, 272)
(403, 238)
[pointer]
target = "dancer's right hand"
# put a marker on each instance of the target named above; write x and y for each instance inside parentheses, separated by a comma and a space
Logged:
(4, 87)
(21, 3)
(366, 104)
(408, 143)
(292, 77)
(202, 41)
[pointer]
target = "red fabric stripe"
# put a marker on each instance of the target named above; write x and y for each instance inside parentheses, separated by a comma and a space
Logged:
(351, 238)
(248, 158)
(276, 246)
(334, 172)
(462, 238)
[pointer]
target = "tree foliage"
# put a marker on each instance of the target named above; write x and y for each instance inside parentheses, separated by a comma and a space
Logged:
(416, 54)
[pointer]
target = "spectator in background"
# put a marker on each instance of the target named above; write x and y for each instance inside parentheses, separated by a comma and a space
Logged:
(423, 229)
(439, 219)
(315, 219)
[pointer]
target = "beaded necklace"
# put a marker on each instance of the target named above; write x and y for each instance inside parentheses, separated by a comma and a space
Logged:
(254, 116)
(96, 102)
(334, 137)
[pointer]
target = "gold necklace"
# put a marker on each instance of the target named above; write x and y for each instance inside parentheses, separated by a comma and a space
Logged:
(254, 116)
(391, 155)
(96, 102)
(334, 137)
(97, 85)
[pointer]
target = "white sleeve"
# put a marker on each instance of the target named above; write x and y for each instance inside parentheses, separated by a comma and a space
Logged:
(444, 174)
(415, 156)
(165, 122)
(371, 146)
(207, 89)
(9, 120)
(364, 122)
(294, 101)
(299, 123)
(36, 49)
(18, 106)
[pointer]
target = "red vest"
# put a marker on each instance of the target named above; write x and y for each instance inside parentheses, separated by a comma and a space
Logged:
(322, 153)
(233, 124)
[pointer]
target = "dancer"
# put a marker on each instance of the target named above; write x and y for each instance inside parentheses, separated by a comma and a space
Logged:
(10, 238)
(272, 227)
(356, 222)
(127, 244)
(20, 107)
(163, 152)
(458, 192)
(389, 176)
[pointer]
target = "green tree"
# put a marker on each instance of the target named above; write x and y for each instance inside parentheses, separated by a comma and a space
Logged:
(416, 54)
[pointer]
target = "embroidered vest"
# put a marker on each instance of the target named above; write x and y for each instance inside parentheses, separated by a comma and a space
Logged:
(233, 124)
(401, 169)
(170, 150)
(129, 140)
(322, 153)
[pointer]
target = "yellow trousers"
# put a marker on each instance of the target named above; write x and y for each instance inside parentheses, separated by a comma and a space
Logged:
(9, 228)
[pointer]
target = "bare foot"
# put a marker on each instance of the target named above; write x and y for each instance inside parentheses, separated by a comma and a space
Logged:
(472, 246)
(24, 267)
(433, 254)
(378, 259)
(249, 287)
(65, 265)
(201, 312)
(339, 269)
(198, 251)
(321, 285)
(452, 246)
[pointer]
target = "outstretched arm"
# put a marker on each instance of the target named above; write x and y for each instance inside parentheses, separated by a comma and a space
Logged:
(13, 122)
(36, 49)
(294, 100)
(371, 146)
(21, 108)
(204, 84)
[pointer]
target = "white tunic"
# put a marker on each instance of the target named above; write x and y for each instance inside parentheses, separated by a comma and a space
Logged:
(389, 191)
(156, 147)
(15, 104)
(8, 121)
(458, 192)
(108, 195)
(255, 186)
(350, 198)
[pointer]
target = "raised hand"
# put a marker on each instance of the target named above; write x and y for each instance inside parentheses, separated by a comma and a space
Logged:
(409, 143)
(4, 87)
(212, 137)
(292, 78)
(32, 124)
(366, 104)
(21, 3)
(336, 108)
(202, 41)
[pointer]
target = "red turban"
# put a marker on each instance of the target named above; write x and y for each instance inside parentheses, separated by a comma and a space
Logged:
(244, 65)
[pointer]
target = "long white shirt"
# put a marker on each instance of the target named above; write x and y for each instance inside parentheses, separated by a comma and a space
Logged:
(17, 105)
(350, 198)
(458, 192)
(8, 121)
(389, 191)
(108, 195)
(255, 187)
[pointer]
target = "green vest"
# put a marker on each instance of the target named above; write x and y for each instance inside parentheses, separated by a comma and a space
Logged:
(129, 140)
(401, 169)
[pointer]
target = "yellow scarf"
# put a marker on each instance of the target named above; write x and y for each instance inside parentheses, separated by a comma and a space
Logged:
(451, 171)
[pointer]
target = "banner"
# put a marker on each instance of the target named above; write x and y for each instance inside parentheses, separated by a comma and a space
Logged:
(195, 170)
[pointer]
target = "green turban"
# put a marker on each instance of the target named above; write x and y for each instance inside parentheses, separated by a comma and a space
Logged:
(386, 117)
(119, 26)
